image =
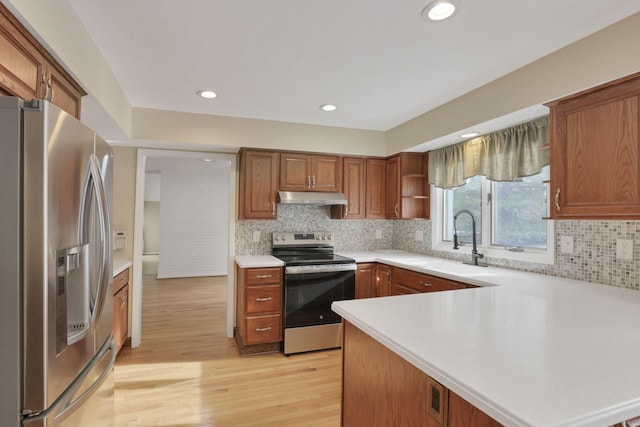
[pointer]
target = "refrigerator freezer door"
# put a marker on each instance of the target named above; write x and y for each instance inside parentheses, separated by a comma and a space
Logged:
(67, 248)
(10, 261)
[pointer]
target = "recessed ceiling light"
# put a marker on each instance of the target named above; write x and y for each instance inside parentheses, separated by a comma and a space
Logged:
(208, 94)
(207, 160)
(470, 135)
(439, 10)
(328, 107)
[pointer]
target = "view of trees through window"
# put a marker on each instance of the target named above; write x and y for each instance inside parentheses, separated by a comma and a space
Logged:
(466, 197)
(514, 211)
(519, 208)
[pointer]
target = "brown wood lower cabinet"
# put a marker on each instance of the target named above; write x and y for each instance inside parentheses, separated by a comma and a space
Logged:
(121, 308)
(383, 281)
(382, 389)
(366, 280)
(410, 282)
(259, 310)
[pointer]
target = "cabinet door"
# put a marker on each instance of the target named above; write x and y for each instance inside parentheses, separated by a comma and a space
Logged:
(376, 188)
(21, 65)
(258, 185)
(383, 282)
(326, 174)
(62, 92)
(295, 173)
(365, 280)
(353, 186)
(121, 316)
(595, 144)
(393, 205)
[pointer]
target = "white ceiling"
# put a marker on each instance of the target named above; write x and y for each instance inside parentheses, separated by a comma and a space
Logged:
(377, 60)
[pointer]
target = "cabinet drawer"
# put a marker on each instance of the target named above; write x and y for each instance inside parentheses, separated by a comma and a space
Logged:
(256, 276)
(262, 329)
(264, 299)
(404, 281)
(120, 280)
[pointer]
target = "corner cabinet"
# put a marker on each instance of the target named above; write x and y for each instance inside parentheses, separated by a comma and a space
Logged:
(258, 185)
(28, 71)
(407, 186)
(310, 172)
(121, 308)
(259, 310)
(595, 144)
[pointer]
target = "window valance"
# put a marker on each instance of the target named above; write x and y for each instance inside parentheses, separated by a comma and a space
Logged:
(505, 155)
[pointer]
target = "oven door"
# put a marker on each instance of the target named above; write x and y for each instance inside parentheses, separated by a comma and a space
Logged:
(309, 291)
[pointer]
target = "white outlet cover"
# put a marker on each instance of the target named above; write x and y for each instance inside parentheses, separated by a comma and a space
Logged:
(378, 234)
(624, 249)
(256, 236)
(566, 244)
(419, 235)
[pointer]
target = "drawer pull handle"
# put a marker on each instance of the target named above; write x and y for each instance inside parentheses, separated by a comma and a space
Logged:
(267, 329)
(558, 200)
(263, 299)
(425, 283)
(264, 276)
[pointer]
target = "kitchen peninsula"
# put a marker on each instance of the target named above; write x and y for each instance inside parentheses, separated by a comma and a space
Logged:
(525, 349)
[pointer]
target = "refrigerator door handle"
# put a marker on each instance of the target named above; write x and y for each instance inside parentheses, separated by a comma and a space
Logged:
(63, 405)
(105, 222)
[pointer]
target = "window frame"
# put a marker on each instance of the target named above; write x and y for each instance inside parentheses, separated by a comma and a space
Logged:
(533, 255)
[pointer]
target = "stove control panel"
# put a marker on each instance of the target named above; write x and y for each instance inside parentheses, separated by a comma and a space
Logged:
(302, 239)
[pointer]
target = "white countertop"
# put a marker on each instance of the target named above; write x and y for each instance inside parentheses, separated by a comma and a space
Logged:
(258, 261)
(120, 265)
(534, 350)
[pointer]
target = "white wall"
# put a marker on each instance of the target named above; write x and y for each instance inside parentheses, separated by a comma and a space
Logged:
(194, 217)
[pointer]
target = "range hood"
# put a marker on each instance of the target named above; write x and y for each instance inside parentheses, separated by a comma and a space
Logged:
(311, 198)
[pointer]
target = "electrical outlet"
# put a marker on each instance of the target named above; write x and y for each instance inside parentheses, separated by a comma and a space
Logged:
(624, 249)
(378, 234)
(566, 244)
(419, 235)
(256, 236)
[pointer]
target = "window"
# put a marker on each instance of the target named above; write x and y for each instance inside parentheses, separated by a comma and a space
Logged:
(508, 215)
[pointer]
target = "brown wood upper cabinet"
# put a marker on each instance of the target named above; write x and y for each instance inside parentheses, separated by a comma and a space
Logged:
(376, 171)
(28, 71)
(310, 172)
(354, 187)
(407, 186)
(595, 144)
(258, 185)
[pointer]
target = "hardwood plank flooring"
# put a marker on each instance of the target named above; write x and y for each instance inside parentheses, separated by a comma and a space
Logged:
(186, 372)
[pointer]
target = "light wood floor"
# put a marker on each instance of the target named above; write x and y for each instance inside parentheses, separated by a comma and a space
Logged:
(186, 372)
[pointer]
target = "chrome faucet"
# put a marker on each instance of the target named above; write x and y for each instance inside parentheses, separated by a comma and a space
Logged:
(474, 251)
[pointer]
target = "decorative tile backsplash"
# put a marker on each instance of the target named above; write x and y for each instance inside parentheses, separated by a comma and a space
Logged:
(350, 234)
(593, 258)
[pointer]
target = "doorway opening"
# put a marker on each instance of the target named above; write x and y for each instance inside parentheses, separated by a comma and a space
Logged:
(185, 248)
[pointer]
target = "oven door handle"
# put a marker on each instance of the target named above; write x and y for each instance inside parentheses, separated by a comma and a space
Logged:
(328, 268)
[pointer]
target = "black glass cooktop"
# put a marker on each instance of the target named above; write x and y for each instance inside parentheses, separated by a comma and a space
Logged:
(313, 259)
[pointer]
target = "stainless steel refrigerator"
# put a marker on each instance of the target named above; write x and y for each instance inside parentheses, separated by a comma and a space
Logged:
(56, 289)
